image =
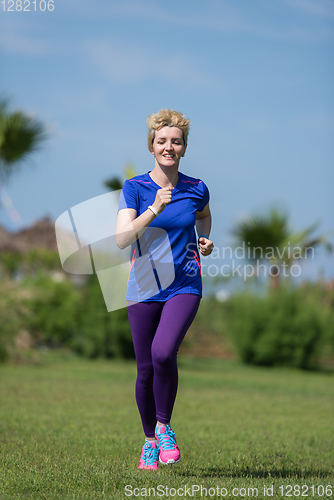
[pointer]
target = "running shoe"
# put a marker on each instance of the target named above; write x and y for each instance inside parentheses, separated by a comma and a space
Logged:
(149, 456)
(169, 452)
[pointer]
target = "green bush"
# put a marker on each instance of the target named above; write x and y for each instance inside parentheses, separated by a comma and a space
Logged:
(59, 314)
(101, 333)
(286, 327)
(290, 326)
(322, 294)
(54, 310)
(13, 316)
(29, 263)
(63, 315)
(10, 263)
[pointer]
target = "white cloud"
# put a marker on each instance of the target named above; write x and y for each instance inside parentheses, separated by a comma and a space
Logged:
(29, 37)
(126, 63)
(211, 14)
(15, 38)
(15, 43)
(299, 34)
(323, 8)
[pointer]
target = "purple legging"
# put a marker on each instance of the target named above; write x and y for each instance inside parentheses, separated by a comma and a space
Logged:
(158, 329)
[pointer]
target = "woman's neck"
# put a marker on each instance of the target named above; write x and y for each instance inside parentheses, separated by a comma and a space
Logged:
(165, 177)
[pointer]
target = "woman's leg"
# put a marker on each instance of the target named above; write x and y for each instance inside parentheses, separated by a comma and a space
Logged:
(144, 318)
(177, 315)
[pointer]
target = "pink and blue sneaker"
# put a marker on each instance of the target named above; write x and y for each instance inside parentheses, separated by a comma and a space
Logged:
(169, 452)
(149, 456)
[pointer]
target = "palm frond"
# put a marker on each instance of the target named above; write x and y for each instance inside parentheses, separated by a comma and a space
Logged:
(269, 238)
(114, 184)
(260, 232)
(4, 102)
(301, 236)
(20, 136)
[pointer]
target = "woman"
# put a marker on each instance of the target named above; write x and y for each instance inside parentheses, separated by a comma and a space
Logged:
(168, 201)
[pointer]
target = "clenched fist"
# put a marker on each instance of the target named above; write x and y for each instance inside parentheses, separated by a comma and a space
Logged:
(163, 198)
(205, 246)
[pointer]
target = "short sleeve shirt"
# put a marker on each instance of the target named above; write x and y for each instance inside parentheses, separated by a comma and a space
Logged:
(177, 220)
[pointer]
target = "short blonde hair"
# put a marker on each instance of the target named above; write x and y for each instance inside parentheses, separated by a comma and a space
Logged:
(166, 118)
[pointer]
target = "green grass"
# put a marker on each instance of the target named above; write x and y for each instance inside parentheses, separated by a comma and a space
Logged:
(71, 430)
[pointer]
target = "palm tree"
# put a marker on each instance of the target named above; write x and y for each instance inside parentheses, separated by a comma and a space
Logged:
(20, 136)
(115, 183)
(270, 239)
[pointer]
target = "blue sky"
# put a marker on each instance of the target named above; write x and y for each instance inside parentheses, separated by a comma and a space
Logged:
(256, 78)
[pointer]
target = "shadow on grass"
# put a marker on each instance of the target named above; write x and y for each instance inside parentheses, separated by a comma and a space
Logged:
(281, 473)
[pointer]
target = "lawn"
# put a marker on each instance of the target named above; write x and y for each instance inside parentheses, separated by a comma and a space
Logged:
(70, 429)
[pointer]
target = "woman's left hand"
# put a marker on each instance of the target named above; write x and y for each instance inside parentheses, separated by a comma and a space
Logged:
(205, 245)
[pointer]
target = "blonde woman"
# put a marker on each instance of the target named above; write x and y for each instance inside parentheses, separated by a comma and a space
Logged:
(163, 199)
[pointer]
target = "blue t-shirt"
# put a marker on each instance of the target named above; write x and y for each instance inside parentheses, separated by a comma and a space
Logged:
(170, 262)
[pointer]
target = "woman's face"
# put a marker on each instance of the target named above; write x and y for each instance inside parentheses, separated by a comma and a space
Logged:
(168, 146)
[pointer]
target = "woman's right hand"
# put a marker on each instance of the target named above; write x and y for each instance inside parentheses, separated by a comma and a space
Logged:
(163, 198)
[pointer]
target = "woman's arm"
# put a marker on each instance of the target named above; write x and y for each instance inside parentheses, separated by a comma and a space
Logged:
(203, 221)
(130, 227)
(203, 227)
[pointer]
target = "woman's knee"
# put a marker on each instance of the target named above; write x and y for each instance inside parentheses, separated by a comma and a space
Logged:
(162, 357)
(145, 373)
